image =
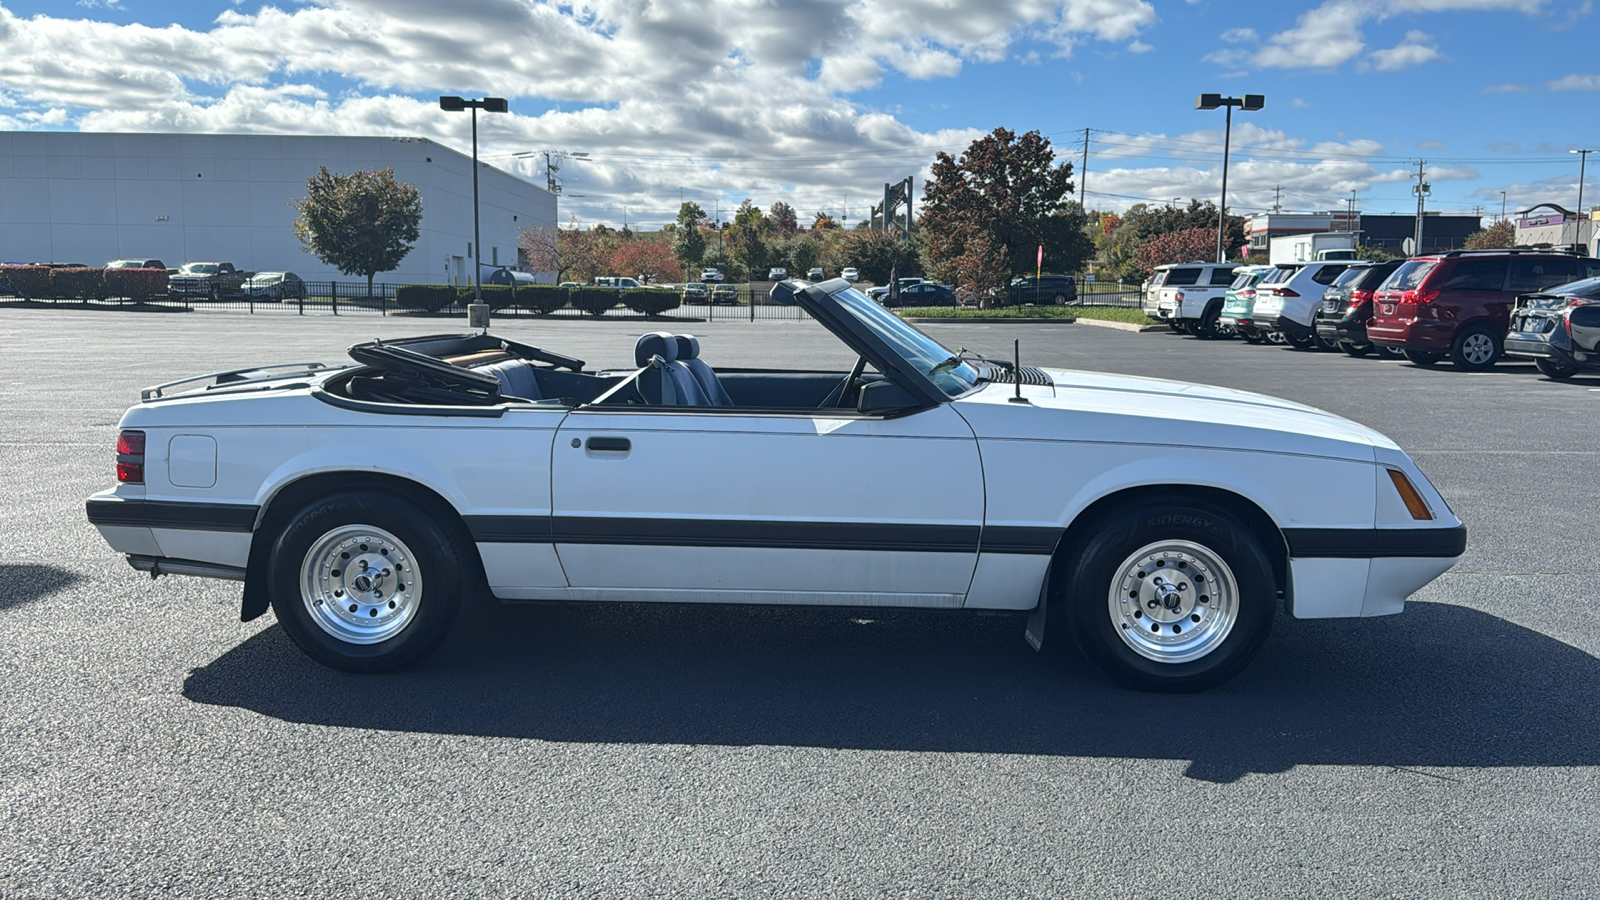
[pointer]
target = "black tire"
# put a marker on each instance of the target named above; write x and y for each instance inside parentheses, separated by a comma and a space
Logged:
(1356, 350)
(1059, 299)
(1299, 343)
(1175, 325)
(1390, 352)
(1422, 357)
(437, 559)
(1191, 327)
(1318, 342)
(1206, 328)
(1476, 348)
(1096, 572)
(1253, 338)
(1553, 370)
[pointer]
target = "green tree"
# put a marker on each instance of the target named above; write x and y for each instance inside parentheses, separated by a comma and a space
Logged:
(362, 223)
(687, 241)
(746, 239)
(1009, 190)
(876, 254)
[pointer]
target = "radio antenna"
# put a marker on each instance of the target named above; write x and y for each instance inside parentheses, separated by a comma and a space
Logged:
(1016, 371)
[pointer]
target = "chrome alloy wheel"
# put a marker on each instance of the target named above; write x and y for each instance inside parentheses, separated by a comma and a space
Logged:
(1173, 601)
(1477, 348)
(360, 584)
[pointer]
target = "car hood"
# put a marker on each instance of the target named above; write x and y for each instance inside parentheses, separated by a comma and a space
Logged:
(1101, 407)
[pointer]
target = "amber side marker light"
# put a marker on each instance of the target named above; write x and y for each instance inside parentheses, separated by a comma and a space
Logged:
(1408, 492)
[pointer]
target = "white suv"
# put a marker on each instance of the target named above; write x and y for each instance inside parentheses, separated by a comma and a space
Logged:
(1188, 296)
(1289, 296)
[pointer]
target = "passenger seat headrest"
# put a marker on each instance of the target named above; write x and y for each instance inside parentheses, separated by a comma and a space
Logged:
(659, 343)
(688, 346)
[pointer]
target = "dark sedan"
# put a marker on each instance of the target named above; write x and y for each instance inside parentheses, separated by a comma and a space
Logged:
(1559, 329)
(924, 294)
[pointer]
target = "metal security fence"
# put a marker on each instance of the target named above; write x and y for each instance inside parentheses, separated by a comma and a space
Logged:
(720, 303)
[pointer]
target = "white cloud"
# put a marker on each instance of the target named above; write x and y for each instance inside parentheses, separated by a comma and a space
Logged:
(1322, 38)
(1415, 50)
(1507, 88)
(1575, 83)
(715, 96)
(1332, 34)
(1299, 103)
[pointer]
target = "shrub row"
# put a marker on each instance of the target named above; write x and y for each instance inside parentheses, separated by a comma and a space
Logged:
(542, 299)
(83, 283)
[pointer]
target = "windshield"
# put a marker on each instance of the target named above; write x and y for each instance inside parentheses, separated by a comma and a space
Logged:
(1587, 289)
(1280, 275)
(926, 355)
(1349, 277)
(201, 269)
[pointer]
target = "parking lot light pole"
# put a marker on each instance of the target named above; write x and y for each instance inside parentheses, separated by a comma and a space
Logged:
(487, 104)
(1250, 102)
(1583, 159)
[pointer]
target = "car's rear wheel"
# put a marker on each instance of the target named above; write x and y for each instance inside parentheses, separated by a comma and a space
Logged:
(1059, 299)
(1253, 338)
(1390, 352)
(1475, 349)
(1553, 370)
(1321, 343)
(1299, 342)
(1275, 337)
(1171, 598)
(1354, 349)
(366, 583)
(1175, 325)
(1207, 326)
(1422, 357)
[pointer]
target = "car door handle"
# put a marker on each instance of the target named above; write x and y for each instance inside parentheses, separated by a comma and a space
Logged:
(610, 444)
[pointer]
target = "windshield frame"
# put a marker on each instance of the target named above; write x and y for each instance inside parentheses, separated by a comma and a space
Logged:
(878, 334)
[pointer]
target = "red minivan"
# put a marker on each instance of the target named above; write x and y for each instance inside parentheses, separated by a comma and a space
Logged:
(1456, 303)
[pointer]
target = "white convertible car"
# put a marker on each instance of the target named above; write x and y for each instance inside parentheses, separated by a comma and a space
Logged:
(1158, 523)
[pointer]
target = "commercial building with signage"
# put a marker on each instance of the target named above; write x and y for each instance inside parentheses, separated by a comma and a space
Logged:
(73, 197)
(1439, 232)
(1549, 225)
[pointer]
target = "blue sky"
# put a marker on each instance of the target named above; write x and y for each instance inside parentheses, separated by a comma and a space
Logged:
(818, 102)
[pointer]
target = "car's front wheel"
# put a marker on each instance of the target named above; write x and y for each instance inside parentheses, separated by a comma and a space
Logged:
(1171, 598)
(1355, 349)
(366, 583)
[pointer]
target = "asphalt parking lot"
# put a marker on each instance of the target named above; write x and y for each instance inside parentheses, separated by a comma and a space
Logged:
(151, 744)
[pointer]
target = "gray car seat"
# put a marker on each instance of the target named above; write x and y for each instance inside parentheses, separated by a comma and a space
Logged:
(667, 382)
(689, 355)
(516, 378)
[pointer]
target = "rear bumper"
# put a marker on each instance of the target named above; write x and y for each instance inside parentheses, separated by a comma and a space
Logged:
(1294, 329)
(1421, 334)
(1539, 346)
(1342, 330)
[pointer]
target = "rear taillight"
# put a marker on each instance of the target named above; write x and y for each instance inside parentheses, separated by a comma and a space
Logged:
(1359, 297)
(1178, 297)
(1286, 292)
(130, 457)
(1247, 294)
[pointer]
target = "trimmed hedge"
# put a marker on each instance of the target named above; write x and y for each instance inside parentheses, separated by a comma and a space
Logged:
(137, 285)
(497, 296)
(425, 297)
(28, 282)
(78, 284)
(596, 300)
(651, 301)
(542, 299)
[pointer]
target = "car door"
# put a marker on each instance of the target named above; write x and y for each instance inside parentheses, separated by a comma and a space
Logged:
(744, 506)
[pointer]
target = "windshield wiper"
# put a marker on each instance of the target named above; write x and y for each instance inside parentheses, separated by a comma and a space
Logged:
(945, 366)
(964, 353)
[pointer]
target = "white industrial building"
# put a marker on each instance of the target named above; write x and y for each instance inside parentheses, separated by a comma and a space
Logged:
(90, 198)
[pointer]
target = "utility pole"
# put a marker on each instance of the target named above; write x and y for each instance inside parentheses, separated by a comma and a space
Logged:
(1351, 221)
(1421, 189)
(1277, 199)
(1577, 236)
(1083, 177)
(1502, 206)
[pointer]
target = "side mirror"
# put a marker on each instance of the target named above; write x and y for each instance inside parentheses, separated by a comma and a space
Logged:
(882, 398)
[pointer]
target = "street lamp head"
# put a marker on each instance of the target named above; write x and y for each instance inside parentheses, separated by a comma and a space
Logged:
(1208, 101)
(1253, 102)
(452, 104)
(495, 104)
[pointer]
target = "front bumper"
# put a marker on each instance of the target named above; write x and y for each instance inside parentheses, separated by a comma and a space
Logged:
(1341, 573)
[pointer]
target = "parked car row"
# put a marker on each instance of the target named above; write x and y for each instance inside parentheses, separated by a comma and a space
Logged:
(1472, 307)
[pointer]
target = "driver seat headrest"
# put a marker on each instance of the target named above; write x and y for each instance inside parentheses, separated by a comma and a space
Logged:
(688, 346)
(659, 343)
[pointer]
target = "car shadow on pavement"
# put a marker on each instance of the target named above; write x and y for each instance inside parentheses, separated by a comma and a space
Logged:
(1441, 686)
(25, 583)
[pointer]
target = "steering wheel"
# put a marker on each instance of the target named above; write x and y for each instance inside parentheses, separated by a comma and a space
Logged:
(835, 398)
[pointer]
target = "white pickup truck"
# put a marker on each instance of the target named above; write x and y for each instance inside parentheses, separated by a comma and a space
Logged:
(1189, 296)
